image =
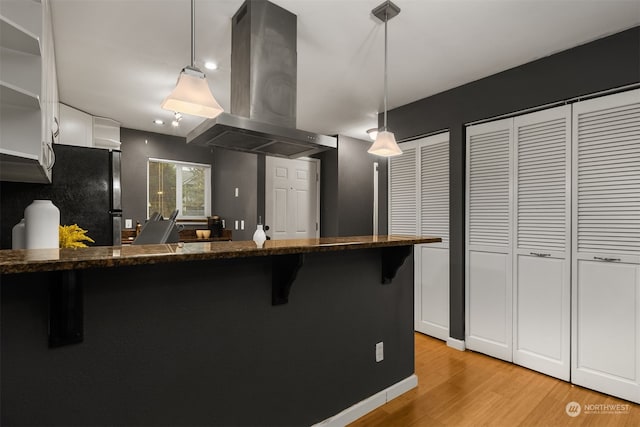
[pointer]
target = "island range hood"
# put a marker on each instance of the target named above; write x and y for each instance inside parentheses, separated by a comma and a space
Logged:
(263, 89)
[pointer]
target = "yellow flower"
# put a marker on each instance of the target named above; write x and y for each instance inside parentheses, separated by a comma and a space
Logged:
(72, 236)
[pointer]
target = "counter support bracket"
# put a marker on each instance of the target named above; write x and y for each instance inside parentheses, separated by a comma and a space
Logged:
(66, 309)
(284, 271)
(392, 259)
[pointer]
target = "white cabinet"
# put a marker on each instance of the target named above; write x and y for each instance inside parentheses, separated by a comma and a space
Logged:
(606, 245)
(542, 206)
(76, 127)
(419, 204)
(28, 91)
(106, 133)
(489, 239)
(84, 130)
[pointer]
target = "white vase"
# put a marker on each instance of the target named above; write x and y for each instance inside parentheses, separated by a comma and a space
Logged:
(17, 235)
(42, 220)
(259, 237)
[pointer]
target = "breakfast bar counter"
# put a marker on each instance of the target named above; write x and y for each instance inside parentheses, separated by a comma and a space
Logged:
(26, 261)
(220, 333)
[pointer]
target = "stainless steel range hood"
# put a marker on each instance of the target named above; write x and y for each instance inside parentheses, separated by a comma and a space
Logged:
(263, 89)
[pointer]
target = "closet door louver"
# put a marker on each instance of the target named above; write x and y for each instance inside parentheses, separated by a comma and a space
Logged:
(605, 335)
(488, 261)
(541, 286)
(542, 184)
(432, 260)
(434, 171)
(608, 166)
(403, 193)
(489, 177)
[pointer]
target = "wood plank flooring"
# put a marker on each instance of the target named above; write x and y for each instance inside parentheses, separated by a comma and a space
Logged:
(470, 389)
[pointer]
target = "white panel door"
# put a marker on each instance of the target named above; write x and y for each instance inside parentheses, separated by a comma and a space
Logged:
(541, 339)
(291, 198)
(432, 260)
(488, 239)
(607, 328)
(432, 291)
(606, 245)
(541, 286)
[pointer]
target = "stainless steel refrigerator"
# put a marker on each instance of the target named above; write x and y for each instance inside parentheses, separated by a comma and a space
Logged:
(85, 186)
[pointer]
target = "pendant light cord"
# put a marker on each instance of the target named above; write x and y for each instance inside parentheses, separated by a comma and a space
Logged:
(193, 33)
(386, 19)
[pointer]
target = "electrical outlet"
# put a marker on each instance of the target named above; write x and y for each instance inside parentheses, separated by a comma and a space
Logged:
(128, 223)
(379, 351)
(236, 224)
(242, 224)
(237, 191)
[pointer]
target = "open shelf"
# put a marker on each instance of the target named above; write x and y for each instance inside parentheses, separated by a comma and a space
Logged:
(17, 97)
(15, 37)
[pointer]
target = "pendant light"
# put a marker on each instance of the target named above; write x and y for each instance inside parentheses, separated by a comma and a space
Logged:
(385, 144)
(192, 94)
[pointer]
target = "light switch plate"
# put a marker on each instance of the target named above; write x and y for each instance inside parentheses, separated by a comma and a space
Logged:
(128, 223)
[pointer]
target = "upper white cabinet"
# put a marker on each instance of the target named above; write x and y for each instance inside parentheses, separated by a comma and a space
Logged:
(76, 127)
(106, 133)
(606, 245)
(419, 204)
(28, 91)
(84, 130)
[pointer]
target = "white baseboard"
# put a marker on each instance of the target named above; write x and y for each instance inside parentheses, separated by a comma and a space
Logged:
(455, 343)
(367, 405)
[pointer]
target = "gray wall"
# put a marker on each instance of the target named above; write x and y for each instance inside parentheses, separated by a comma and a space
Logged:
(230, 169)
(607, 63)
(199, 343)
(137, 147)
(347, 189)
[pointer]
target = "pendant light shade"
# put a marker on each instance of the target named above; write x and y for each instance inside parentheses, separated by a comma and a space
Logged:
(385, 144)
(192, 94)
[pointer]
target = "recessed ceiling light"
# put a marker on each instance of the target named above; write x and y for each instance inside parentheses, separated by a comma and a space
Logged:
(210, 65)
(158, 122)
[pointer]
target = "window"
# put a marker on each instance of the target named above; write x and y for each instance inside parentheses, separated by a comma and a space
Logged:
(178, 185)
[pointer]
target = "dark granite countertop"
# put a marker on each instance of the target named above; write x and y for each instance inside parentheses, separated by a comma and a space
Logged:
(35, 260)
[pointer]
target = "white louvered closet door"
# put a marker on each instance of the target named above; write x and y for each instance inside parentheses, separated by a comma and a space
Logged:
(488, 240)
(606, 245)
(541, 279)
(403, 192)
(432, 260)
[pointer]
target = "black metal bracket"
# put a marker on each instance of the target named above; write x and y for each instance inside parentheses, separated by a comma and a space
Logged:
(284, 269)
(392, 259)
(66, 309)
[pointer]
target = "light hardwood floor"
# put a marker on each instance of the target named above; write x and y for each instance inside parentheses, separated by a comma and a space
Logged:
(470, 389)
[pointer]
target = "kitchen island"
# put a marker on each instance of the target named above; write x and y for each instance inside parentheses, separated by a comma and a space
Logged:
(218, 333)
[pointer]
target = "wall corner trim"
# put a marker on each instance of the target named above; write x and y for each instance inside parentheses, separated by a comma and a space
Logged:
(455, 343)
(369, 404)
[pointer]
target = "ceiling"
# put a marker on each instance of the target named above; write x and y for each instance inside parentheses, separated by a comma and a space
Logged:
(120, 58)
